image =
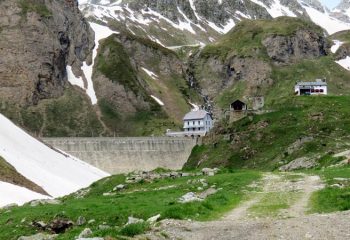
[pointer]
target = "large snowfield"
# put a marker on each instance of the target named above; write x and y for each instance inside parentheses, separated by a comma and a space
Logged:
(58, 174)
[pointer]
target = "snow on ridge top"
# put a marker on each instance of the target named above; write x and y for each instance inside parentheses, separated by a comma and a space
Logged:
(15, 194)
(56, 173)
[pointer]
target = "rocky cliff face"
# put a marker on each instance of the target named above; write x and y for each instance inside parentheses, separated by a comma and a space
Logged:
(303, 44)
(178, 22)
(39, 38)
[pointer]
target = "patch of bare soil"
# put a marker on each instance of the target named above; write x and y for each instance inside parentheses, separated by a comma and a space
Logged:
(293, 224)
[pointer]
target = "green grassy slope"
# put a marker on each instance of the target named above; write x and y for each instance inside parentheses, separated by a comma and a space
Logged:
(121, 59)
(141, 200)
(262, 141)
(115, 64)
(343, 36)
(245, 39)
(333, 198)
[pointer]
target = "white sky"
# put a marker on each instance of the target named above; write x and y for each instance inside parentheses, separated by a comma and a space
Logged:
(330, 3)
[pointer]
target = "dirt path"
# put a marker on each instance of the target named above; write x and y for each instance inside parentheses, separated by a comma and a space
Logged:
(244, 222)
(310, 185)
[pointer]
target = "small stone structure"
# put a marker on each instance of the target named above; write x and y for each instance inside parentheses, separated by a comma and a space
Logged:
(238, 105)
(240, 109)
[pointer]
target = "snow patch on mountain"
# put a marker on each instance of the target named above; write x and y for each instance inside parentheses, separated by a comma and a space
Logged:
(101, 32)
(58, 174)
(157, 100)
(77, 81)
(323, 19)
(197, 24)
(195, 107)
(150, 73)
(345, 63)
(336, 46)
(15, 194)
(276, 9)
(194, 9)
(222, 29)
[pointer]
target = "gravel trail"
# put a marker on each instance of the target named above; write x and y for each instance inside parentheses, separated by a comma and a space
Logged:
(292, 224)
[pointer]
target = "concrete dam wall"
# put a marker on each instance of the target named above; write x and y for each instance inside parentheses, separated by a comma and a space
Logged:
(123, 155)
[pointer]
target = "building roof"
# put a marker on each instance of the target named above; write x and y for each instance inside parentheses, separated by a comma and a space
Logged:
(194, 115)
(311, 84)
(237, 101)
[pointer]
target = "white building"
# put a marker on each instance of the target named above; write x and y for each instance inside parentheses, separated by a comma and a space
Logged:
(197, 123)
(311, 88)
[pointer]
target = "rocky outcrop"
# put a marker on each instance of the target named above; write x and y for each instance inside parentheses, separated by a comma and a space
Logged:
(221, 74)
(299, 163)
(39, 38)
(304, 44)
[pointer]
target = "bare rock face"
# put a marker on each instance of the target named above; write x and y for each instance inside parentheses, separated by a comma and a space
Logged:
(302, 45)
(232, 71)
(210, 10)
(38, 39)
(213, 76)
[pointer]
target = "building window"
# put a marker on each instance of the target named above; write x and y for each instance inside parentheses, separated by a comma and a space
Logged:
(321, 90)
(199, 122)
(193, 122)
(188, 123)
